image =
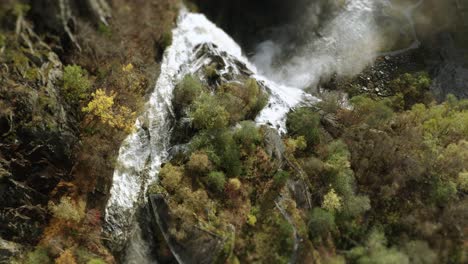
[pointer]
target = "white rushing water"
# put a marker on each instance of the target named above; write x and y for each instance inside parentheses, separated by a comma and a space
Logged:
(346, 44)
(143, 152)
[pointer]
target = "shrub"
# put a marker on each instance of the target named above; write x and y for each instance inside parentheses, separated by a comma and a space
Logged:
(251, 220)
(38, 256)
(376, 251)
(373, 112)
(199, 162)
(216, 181)
(170, 176)
(96, 261)
(332, 202)
(419, 252)
(66, 258)
(463, 181)
(257, 99)
(295, 144)
(356, 205)
(244, 101)
(68, 209)
(209, 114)
(320, 222)
(415, 88)
(211, 71)
(228, 152)
(186, 92)
(280, 178)
(247, 135)
(75, 83)
(234, 184)
(304, 122)
(444, 191)
(103, 108)
(166, 39)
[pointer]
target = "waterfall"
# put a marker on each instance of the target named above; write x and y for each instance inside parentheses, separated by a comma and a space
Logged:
(143, 152)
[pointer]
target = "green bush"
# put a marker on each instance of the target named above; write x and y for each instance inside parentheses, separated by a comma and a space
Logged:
(166, 39)
(38, 256)
(242, 101)
(170, 176)
(414, 88)
(96, 261)
(248, 135)
(376, 251)
(187, 91)
(419, 252)
(208, 113)
(228, 151)
(444, 191)
(356, 205)
(216, 181)
(280, 178)
(320, 222)
(373, 112)
(199, 162)
(211, 72)
(76, 83)
(304, 122)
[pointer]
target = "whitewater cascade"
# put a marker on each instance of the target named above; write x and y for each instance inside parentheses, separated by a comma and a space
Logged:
(143, 152)
(344, 46)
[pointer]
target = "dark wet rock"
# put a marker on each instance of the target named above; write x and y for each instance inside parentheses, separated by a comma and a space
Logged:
(227, 67)
(331, 125)
(8, 249)
(300, 193)
(448, 66)
(58, 17)
(202, 247)
(274, 145)
(37, 136)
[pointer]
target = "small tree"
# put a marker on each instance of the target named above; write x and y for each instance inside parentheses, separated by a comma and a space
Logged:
(170, 176)
(209, 114)
(75, 83)
(321, 222)
(216, 180)
(199, 162)
(103, 108)
(187, 91)
(68, 209)
(304, 122)
(332, 202)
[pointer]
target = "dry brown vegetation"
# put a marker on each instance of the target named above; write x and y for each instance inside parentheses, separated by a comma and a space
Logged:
(122, 58)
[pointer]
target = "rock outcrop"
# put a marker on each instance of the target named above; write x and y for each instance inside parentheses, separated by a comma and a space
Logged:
(36, 136)
(201, 247)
